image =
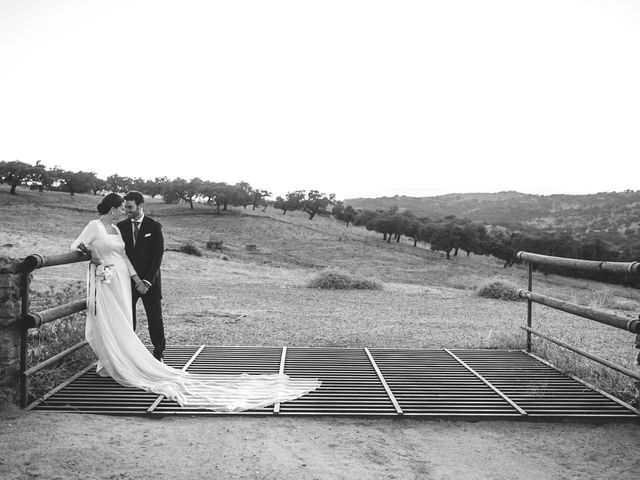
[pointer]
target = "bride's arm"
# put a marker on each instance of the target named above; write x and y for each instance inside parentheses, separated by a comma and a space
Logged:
(83, 242)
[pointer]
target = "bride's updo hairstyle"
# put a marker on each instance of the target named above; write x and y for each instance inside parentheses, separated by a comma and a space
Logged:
(112, 200)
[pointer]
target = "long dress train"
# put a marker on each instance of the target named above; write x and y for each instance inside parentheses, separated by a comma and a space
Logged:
(124, 357)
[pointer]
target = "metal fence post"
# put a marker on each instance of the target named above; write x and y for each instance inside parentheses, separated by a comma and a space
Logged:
(637, 384)
(529, 307)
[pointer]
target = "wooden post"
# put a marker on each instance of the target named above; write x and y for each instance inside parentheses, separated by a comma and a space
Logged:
(11, 283)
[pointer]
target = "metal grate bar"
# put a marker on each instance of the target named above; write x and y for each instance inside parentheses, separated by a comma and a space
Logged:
(91, 393)
(350, 385)
(184, 369)
(60, 387)
(539, 389)
(384, 382)
(513, 404)
(432, 383)
(588, 385)
(283, 359)
(366, 382)
(228, 360)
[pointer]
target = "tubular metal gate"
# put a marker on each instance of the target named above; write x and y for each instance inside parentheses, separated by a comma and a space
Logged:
(512, 384)
(36, 320)
(624, 323)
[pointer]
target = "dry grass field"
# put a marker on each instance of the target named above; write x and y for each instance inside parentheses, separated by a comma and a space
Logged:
(260, 297)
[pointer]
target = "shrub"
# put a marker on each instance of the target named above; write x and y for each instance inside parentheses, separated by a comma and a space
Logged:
(190, 249)
(341, 281)
(499, 290)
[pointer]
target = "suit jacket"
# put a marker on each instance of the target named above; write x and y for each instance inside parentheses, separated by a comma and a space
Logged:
(146, 254)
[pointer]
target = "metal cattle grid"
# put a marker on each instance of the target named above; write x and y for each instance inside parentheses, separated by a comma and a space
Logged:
(361, 381)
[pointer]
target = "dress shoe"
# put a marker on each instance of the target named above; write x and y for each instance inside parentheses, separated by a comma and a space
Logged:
(158, 355)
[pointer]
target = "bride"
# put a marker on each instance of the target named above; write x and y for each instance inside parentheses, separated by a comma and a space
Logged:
(121, 354)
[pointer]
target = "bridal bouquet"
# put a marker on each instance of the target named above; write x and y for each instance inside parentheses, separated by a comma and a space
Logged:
(104, 273)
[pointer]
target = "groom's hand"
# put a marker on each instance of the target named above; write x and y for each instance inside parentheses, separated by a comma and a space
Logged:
(142, 288)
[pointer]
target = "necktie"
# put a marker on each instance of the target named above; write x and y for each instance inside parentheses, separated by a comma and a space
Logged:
(136, 231)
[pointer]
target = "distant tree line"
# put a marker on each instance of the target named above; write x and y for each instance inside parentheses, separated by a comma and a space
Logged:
(449, 234)
(220, 194)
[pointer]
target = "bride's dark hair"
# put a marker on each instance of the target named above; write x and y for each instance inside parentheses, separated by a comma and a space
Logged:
(112, 200)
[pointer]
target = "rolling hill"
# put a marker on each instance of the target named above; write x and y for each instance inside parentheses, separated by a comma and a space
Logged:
(611, 216)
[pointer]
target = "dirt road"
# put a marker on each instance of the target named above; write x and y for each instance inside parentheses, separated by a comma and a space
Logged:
(73, 446)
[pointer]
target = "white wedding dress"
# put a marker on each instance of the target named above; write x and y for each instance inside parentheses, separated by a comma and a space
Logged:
(123, 357)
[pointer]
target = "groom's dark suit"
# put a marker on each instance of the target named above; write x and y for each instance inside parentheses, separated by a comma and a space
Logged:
(146, 257)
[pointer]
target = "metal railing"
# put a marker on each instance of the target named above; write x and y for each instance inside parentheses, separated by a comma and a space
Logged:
(36, 320)
(621, 322)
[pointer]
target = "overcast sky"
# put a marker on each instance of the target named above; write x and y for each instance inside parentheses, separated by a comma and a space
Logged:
(357, 98)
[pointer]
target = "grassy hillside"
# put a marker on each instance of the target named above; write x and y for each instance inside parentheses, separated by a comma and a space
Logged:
(260, 297)
(614, 216)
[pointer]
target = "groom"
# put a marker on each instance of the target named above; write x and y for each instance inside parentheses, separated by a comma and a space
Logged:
(144, 245)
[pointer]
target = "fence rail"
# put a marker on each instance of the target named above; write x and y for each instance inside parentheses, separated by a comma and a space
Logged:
(37, 319)
(630, 324)
(625, 323)
(55, 358)
(584, 353)
(578, 264)
(35, 261)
